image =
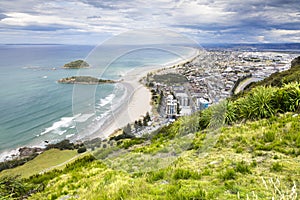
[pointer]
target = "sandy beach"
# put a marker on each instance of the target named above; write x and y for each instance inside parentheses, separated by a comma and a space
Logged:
(136, 104)
(138, 100)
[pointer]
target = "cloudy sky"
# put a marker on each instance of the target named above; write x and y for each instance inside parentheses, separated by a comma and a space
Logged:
(92, 21)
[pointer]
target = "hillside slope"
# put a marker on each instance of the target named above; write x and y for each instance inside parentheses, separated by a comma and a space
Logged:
(256, 159)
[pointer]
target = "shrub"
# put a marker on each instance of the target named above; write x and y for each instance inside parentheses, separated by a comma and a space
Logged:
(185, 174)
(13, 188)
(16, 162)
(239, 150)
(205, 117)
(231, 186)
(131, 142)
(81, 150)
(230, 113)
(243, 168)
(276, 167)
(269, 136)
(288, 97)
(155, 176)
(63, 145)
(228, 174)
(257, 104)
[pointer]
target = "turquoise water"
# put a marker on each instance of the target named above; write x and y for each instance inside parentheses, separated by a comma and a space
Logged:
(35, 108)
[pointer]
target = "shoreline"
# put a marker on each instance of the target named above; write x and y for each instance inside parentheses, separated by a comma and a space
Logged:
(137, 103)
(138, 100)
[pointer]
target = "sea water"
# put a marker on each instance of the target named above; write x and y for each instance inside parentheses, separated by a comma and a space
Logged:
(35, 109)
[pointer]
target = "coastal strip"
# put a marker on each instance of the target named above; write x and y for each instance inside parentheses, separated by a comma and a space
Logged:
(138, 98)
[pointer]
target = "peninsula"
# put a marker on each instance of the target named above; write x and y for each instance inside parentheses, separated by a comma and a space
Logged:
(76, 64)
(89, 80)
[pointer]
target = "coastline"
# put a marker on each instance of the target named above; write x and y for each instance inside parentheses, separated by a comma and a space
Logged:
(138, 98)
(137, 103)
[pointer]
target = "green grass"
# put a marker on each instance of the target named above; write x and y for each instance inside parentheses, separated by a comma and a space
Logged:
(47, 159)
(223, 173)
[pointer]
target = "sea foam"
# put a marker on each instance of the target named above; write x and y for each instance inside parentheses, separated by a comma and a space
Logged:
(106, 100)
(64, 122)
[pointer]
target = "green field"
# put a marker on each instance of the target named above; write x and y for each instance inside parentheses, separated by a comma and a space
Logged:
(47, 160)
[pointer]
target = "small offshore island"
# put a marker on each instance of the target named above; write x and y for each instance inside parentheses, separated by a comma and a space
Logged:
(89, 80)
(77, 64)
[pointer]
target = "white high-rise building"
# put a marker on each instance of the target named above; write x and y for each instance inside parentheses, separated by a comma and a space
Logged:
(171, 106)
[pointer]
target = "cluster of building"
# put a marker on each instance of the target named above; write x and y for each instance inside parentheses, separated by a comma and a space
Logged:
(211, 77)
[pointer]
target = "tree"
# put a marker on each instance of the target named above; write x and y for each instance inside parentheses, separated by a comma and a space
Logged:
(147, 117)
(127, 129)
(81, 149)
(178, 109)
(136, 126)
(145, 122)
(140, 123)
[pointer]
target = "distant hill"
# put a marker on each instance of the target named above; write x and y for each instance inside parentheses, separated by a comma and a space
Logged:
(76, 64)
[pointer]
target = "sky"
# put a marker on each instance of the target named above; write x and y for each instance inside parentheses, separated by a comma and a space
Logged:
(94, 21)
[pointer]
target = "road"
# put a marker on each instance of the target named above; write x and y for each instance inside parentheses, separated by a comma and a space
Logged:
(244, 83)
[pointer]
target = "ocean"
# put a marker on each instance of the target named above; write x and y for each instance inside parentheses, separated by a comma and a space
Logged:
(34, 108)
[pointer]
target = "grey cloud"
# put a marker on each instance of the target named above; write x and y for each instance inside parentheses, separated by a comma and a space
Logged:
(111, 5)
(94, 17)
(2, 16)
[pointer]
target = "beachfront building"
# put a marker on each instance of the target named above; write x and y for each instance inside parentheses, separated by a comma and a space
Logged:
(171, 106)
(183, 99)
(183, 103)
(202, 103)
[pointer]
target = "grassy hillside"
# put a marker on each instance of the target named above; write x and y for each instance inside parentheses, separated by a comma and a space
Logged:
(258, 159)
(46, 160)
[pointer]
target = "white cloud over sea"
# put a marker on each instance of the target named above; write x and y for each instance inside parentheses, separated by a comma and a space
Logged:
(92, 21)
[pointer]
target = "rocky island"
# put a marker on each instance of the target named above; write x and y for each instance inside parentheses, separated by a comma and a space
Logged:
(89, 80)
(76, 64)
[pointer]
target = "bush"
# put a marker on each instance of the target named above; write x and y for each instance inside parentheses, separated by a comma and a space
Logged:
(243, 168)
(288, 97)
(205, 117)
(131, 142)
(185, 174)
(269, 136)
(17, 162)
(228, 174)
(15, 188)
(155, 176)
(230, 113)
(276, 167)
(81, 150)
(63, 145)
(257, 104)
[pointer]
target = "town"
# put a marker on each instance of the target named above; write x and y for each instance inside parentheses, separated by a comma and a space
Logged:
(208, 78)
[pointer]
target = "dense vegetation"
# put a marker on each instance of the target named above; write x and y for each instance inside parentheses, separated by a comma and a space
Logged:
(258, 159)
(243, 148)
(84, 80)
(16, 162)
(170, 79)
(76, 64)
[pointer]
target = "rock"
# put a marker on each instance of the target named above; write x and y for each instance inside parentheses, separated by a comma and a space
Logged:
(76, 64)
(28, 151)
